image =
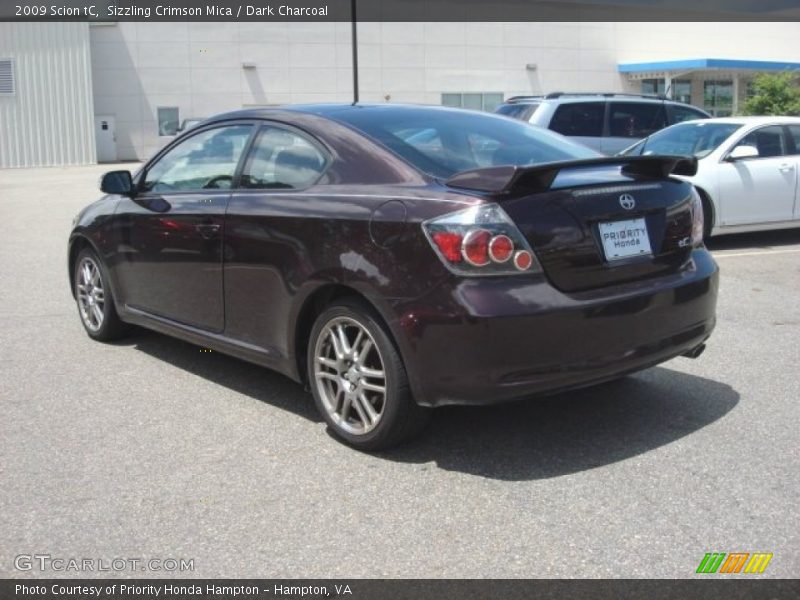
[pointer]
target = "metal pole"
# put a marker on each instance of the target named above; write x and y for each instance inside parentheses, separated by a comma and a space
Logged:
(355, 51)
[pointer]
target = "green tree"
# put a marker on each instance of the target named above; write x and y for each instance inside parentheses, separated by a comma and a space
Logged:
(774, 94)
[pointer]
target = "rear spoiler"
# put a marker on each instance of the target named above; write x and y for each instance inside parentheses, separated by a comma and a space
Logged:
(539, 178)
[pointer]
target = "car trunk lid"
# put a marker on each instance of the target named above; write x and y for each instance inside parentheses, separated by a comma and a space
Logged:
(566, 211)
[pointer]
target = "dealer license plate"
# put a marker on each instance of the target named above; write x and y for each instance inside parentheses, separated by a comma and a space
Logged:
(623, 239)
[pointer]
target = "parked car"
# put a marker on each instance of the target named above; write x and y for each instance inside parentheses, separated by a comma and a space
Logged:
(394, 269)
(747, 169)
(608, 123)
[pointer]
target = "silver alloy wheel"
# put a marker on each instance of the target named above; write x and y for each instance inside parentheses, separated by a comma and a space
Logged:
(350, 376)
(91, 296)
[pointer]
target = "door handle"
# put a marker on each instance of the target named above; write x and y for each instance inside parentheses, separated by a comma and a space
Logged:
(785, 168)
(207, 230)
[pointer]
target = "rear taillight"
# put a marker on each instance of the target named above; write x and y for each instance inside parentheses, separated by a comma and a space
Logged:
(481, 240)
(697, 218)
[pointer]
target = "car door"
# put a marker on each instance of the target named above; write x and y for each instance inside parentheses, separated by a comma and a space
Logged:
(170, 234)
(630, 121)
(794, 147)
(762, 188)
(269, 217)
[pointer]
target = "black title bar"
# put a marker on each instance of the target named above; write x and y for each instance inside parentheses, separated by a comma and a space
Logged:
(400, 10)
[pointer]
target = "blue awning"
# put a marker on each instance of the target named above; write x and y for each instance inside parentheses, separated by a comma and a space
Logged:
(692, 64)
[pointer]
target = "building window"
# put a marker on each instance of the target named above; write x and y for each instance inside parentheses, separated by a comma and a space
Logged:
(6, 76)
(718, 98)
(749, 88)
(168, 120)
(682, 91)
(487, 101)
(653, 86)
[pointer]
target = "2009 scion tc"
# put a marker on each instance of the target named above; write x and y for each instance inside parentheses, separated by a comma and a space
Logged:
(398, 258)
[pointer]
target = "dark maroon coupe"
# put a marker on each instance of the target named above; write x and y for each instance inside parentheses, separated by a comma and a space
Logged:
(398, 258)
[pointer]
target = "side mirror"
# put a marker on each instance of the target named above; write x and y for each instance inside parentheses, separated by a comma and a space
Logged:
(740, 152)
(117, 182)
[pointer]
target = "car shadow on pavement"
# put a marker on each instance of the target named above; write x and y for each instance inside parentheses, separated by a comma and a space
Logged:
(537, 438)
(567, 433)
(240, 376)
(756, 240)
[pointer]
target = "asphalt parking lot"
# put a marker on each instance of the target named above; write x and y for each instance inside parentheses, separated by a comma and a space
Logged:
(151, 448)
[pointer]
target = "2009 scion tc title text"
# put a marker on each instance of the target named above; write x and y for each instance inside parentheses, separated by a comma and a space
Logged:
(129, 11)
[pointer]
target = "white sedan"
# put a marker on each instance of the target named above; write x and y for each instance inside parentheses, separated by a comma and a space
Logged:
(747, 169)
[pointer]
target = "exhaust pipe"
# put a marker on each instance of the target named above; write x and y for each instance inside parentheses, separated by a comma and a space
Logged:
(695, 352)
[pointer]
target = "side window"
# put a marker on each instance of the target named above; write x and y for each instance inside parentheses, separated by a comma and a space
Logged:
(282, 159)
(204, 161)
(769, 141)
(684, 113)
(636, 119)
(794, 132)
(579, 119)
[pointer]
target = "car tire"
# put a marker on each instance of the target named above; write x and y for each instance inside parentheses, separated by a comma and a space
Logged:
(94, 299)
(351, 358)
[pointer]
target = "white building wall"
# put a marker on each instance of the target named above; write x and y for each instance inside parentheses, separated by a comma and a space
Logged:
(49, 119)
(198, 67)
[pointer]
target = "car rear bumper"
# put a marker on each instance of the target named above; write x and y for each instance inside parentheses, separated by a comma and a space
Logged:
(490, 340)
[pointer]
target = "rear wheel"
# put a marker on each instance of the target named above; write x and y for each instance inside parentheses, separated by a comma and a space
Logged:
(358, 380)
(95, 302)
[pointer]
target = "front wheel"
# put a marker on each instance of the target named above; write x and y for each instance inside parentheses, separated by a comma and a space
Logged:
(95, 302)
(358, 379)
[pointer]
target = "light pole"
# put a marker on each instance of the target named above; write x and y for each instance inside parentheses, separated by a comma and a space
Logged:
(355, 50)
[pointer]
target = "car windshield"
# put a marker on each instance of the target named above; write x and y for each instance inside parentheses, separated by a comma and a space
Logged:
(443, 142)
(697, 138)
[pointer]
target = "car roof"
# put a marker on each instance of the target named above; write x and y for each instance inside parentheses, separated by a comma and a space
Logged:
(567, 98)
(750, 120)
(332, 110)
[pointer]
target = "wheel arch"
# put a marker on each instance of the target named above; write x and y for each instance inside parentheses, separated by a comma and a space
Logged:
(709, 210)
(310, 308)
(76, 244)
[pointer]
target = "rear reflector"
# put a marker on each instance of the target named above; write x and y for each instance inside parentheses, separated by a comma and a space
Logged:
(523, 260)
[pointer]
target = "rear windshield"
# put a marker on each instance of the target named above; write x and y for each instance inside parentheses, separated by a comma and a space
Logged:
(692, 138)
(522, 112)
(443, 142)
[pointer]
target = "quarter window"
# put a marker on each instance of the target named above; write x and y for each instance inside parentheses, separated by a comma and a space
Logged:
(206, 160)
(636, 119)
(583, 119)
(282, 159)
(769, 141)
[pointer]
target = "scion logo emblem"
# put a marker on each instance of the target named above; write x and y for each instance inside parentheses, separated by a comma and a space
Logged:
(627, 201)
